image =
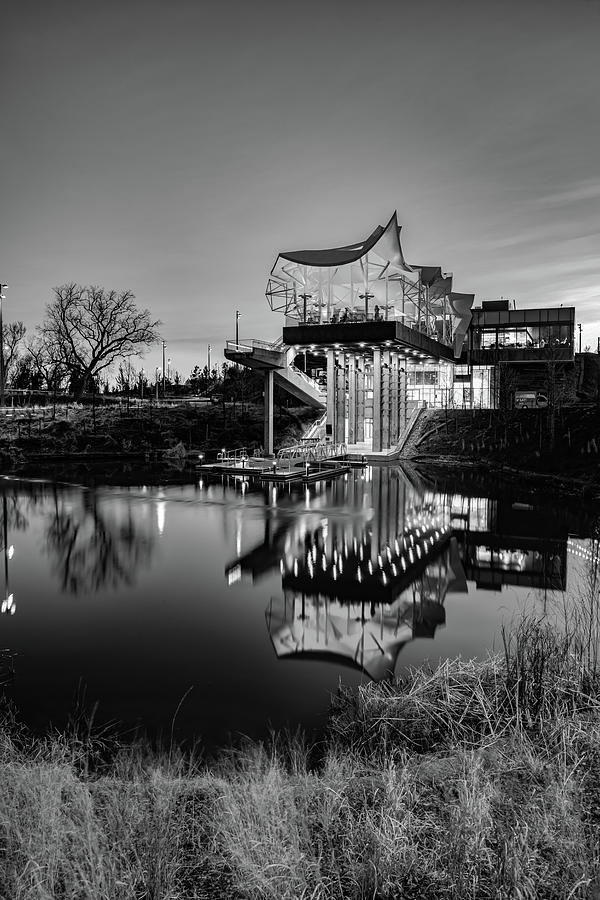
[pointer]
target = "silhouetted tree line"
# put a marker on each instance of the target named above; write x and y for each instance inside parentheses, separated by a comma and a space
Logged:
(86, 330)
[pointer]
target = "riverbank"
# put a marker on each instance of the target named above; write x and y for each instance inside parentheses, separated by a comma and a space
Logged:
(141, 433)
(478, 779)
(515, 442)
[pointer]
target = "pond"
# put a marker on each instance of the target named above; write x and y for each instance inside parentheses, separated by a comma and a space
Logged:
(223, 607)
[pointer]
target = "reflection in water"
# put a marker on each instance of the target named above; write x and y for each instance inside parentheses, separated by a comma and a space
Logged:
(8, 604)
(96, 544)
(355, 572)
(505, 542)
(367, 633)
(369, 569)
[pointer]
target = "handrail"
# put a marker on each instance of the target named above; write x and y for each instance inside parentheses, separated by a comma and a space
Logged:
(266, 345)
(232, 455)
(321, 450)
(315, 427)
(238, 347)
(311, 381)
(251, 344)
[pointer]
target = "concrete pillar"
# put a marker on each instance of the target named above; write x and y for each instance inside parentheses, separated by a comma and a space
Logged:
(268, 433)
(331, 392)
(402, 396)
(385, 399)
(340, 400)
(377, 436)
(393, 398)
(360, 400)
(352, 399)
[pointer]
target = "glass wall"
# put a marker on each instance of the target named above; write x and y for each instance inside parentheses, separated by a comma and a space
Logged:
(430, 383)
(523, 337)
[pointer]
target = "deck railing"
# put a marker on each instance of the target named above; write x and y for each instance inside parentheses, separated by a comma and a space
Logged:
(232, 456)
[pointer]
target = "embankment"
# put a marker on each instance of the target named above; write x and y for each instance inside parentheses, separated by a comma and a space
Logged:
(87, 433)
(526, 442)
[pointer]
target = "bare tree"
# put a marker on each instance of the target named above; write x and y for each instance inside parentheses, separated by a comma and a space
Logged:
(556, 387)
(88, 328)
(46, 364)
(12, 346)
(126, 377)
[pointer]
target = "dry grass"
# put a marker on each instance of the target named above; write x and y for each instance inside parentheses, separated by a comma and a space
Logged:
(475, 780)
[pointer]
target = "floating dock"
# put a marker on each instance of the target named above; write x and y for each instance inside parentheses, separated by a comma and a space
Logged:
(326, 471)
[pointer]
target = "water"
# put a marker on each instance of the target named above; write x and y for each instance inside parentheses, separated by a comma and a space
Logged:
(220, 607)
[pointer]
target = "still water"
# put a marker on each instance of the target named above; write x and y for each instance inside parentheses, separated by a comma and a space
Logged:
(223, 607)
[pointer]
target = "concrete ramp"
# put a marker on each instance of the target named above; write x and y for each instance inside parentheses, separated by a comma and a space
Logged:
(301, 386)
(264, 356)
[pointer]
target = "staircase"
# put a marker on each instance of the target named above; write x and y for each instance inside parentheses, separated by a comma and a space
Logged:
(276, 356)
(301, 386)
(408, 430)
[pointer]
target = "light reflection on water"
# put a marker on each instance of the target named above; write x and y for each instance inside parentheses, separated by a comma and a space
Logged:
(260, 598)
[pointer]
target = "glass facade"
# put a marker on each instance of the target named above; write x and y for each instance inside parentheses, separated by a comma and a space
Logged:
(523, 337)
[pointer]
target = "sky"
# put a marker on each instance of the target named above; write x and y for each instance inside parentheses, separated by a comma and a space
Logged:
(174, 148)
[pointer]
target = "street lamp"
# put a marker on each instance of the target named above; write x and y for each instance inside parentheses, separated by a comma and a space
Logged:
(156, 377)
(2, 386)
(142, 383)
(164, 344)
(237, 327)
(579, 326)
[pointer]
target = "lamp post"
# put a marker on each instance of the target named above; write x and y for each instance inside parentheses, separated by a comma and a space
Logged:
(579, 326)
(237, 327)
(142, 383)
(2, 385)
(156, 377)
(209, 349)
(164, 344)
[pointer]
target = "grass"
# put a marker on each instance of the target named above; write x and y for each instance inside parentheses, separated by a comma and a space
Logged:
(472, 780)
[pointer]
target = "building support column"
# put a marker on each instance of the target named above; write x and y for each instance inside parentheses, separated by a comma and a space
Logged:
(360, 400)
(331, 392)
(268, 432)
(351, 399)
(402, 397)
(394, 398)
(377, 436)
(340, 400)
(385, 399)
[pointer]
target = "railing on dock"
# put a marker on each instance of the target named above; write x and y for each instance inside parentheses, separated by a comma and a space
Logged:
(235, 457)
(307, 452)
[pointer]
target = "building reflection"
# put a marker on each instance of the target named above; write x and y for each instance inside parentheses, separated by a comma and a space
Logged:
(506, 542)
(367, 566)
(8, 604)
(363, 572)
(367, 631)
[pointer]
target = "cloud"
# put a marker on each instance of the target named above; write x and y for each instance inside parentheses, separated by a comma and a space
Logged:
(583, 190)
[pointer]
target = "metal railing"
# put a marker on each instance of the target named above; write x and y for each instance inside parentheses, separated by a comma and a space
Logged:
(238, 347)
(307, 379)
(310, 452)
(251, 344)
(232, 456)
(312, 432)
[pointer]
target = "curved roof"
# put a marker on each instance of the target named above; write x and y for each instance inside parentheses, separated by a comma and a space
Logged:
(384, 241)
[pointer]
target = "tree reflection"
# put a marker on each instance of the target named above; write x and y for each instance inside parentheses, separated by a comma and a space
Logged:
(94, 545)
